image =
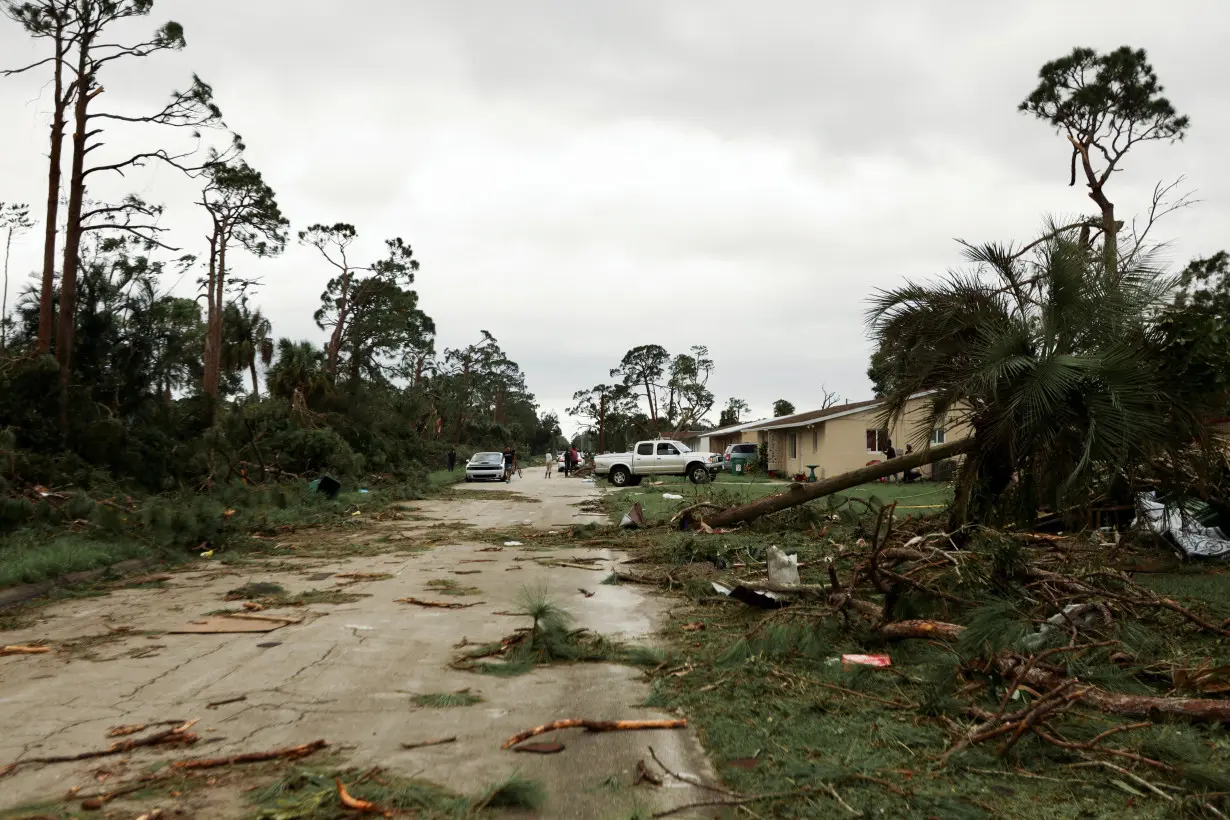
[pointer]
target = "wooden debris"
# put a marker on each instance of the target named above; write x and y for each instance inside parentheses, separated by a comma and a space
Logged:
(585, 592)
(466, 571)
(436, 604)
(541, 748)
(218, 703)
(132, 728)
(286, 753)
(24, 650)
(253, 606)
(175, 735)
(594, 726)
(643, 775)
(437, 742)
(355, 804)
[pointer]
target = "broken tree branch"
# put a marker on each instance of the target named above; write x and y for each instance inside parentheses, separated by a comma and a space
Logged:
(594, 726)
(286, 753)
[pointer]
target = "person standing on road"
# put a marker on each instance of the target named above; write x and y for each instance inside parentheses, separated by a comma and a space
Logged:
(452, 459)
(509, 460)
(567, 462)
(576, 458)
(550, 462)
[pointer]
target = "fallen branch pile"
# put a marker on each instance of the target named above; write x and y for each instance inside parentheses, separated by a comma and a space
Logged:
(1040, 628)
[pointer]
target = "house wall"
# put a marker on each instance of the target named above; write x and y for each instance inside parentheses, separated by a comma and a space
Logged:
(718, 444)
(840, 445)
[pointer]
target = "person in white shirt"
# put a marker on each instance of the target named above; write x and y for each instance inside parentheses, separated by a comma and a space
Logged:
(550, 462)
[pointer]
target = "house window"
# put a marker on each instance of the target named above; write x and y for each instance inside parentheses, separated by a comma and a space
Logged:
(877, 441)
(938, 436)
(815, 439)
(794, 445)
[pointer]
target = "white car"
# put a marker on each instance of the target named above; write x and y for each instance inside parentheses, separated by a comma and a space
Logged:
(485, 467)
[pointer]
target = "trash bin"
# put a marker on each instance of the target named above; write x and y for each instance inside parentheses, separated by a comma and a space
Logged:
(737, 467)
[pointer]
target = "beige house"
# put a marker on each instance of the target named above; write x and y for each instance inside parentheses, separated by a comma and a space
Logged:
(848, 436)
(716, 441)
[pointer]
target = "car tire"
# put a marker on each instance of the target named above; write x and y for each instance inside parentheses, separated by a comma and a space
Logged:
(621, 476)
(698, 474)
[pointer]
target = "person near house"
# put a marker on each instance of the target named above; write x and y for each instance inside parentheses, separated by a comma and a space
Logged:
(890, 452)
(911, 475)
(452, 459)
(550, 462)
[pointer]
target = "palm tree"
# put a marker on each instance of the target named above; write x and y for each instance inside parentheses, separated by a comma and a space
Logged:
(299, 369)
(246, 337)
(1048, 357)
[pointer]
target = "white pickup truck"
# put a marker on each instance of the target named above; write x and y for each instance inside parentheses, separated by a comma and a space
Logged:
(657, 457)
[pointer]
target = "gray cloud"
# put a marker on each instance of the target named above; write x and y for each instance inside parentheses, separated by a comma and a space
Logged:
(693, 172)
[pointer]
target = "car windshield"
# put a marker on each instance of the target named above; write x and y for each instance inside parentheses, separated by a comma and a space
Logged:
(683, 448)
(487, 458)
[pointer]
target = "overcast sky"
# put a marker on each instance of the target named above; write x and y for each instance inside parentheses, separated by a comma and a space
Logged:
(582, 177)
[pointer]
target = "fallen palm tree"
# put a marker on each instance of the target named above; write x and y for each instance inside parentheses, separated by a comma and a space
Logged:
(802, 493)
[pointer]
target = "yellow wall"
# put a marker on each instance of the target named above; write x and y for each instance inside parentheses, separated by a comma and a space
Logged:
(840, 445)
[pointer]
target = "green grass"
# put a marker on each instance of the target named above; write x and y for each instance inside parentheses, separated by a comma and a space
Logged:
(447, 586)
(446, 700)
(81, 534)
(763, 693)
(920, 499)
(29, 557)
(443, 478)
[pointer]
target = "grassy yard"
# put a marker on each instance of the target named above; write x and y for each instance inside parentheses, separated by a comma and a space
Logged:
(918, 500)
(782, 715)
(80, 534)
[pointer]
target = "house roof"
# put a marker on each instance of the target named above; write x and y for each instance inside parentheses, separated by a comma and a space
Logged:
(733, 428)
(800, 419)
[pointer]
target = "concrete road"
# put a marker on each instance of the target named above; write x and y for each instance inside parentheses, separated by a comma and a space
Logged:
(347, 673)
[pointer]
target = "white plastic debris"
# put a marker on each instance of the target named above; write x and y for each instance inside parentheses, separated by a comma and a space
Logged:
(783, 568)
(672, 496)
(1078, 617)
(512, 543)
(1195, 540)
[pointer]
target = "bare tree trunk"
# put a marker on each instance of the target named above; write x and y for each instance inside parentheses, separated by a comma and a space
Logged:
(46, 299)
(256, 391)
(335, 338)
(602, 423)
(4, 304)
(213, 324)
(802, 493)
(72, 232)
(211, 284)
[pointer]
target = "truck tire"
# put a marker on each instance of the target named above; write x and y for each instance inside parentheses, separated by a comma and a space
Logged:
(698, 473)
(621, 476)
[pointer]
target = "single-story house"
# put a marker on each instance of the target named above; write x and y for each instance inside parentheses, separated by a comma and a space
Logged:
(847, 436)
(716, 441)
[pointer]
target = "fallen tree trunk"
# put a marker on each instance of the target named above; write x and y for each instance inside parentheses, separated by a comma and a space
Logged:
(802, 493)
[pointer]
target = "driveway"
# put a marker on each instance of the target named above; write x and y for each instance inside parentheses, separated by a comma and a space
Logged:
(347, 673)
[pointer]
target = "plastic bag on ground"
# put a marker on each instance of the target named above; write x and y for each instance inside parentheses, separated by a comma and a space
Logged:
(783, 568)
